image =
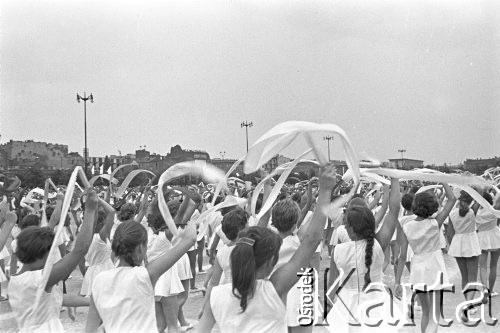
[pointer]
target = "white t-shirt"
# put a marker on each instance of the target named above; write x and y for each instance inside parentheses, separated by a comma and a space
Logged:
(124, 298)
(22, 293)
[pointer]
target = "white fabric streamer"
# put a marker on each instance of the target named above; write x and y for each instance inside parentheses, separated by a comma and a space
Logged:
(51, 258)
(207, 171)
(228, 173)
(121, 190)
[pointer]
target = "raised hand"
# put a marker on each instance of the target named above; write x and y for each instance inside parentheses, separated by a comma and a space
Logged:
(328, 177)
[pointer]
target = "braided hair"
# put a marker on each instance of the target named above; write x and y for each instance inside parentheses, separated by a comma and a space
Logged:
(128, 236)
(362, 222)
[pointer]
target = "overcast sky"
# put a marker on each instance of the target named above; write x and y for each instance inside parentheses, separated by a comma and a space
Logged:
(423, 76)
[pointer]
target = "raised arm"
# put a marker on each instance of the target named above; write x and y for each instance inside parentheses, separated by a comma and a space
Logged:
(285, 277)
(108, 222)
(383, 209)
(448, 206)
(376, 198)
(308, 204)
(144, 205)
(187, 238)
(385, 233)
(63, 268)
(56, 214)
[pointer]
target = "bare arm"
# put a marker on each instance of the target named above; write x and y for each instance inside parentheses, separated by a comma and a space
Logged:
(376, 199)
(56, 215)
(448, 206)
(383, 209)
(308, 204)
(285, 277)
(108, 223)
(214, 281)
(385, 233)
(144, 205)
(207, 321)
(93, 318)
(66, 265)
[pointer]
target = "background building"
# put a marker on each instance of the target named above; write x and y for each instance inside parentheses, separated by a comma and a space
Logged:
(406, 163)
(43, 155)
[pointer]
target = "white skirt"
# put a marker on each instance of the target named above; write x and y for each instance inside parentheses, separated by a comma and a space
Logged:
(184, 268)
(168, 284)
(465, 245)
(426, 268)
(489, 239)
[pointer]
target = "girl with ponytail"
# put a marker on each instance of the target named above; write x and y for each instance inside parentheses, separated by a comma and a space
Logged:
(255, 302)
(364, 254)
(464, 245)
(123, 298)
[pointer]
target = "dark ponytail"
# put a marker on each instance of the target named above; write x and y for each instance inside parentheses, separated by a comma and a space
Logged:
(370, 240)
(127, 237)
(256, 246)
(362, 222)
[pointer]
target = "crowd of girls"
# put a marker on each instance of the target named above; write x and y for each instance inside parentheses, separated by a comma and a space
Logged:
(137, 272)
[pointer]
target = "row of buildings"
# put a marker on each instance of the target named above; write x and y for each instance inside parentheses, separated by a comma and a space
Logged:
(20, 155)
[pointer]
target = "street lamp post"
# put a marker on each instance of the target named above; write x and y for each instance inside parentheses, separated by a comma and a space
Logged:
(402, 151)
(85, 98)
(328, 139)
(246, 124)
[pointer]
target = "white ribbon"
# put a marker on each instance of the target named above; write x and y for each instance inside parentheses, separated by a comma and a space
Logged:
(207, 171)
(228, 173)
(284, 169)
(106, 177)
(283, 134)
(121, 190)
(51, 258)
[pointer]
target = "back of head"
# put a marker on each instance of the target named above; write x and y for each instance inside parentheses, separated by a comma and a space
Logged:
(255, 247)
(488, 198)
(407, 201)
(361, 221)
(33, 243)
(425, 204)
(128, 236)
(233, 222)
(127, 212)
(30, 220)
(285, 215)
(357, 200)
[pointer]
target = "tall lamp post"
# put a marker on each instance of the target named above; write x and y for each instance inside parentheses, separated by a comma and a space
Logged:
(328, 139)
(246, 124)
(402, 151)
(85, 98)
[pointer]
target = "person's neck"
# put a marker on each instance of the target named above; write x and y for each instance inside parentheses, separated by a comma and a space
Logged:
(285, 234)
(34, 266)
(356, 237)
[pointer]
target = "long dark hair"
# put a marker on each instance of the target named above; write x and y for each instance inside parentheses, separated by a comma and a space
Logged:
(362, 222)
(246, 259)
